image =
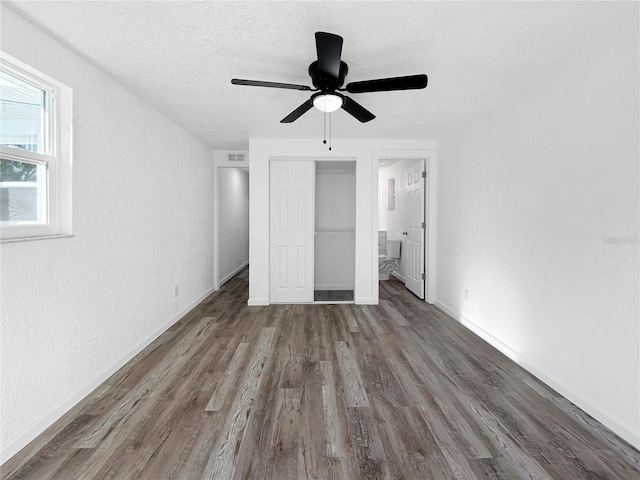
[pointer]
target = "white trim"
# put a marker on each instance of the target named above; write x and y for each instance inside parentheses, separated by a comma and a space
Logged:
(431, 219)
(35, 158)
(232, 274)
(627, 432)
(31, 239)
(216, 230)
(365, 300)
(254, 302)
(375, 223)
(48, 418)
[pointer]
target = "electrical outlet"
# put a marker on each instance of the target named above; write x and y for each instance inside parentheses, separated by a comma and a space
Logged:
(176, 292)
(467, 295)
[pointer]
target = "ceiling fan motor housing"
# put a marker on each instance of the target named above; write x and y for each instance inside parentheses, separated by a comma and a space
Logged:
(327, 83)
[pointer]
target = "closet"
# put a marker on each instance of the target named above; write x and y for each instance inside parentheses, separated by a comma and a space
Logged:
(335, 220)
(312, 218)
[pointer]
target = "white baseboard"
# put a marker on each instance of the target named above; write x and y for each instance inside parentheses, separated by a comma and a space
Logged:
(49, 417)
(605, 417)
(364, 301)
(232, 274)
(254, 302)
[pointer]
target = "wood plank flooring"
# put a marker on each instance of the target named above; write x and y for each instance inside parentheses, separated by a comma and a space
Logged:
(397, 391)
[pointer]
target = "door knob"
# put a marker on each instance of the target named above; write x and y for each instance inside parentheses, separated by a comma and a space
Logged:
(404, 233)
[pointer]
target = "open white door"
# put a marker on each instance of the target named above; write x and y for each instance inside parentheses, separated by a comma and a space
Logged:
(414, 251)
(291, 230)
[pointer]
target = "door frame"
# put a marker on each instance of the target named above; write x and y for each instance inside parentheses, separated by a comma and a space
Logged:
(429, 159)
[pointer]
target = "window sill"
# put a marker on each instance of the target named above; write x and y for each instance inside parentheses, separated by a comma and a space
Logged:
(31, 239)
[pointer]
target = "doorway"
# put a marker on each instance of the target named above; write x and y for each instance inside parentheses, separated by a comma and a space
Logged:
(233, 221)
(335, 222)
(402, 211)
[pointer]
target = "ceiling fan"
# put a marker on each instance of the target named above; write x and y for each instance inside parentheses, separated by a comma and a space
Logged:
(328, 74)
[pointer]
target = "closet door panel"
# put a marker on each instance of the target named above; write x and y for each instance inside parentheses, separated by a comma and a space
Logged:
(291, 200)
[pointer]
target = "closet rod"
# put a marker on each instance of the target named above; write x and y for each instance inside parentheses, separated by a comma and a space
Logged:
(334, 171)
(334, 232)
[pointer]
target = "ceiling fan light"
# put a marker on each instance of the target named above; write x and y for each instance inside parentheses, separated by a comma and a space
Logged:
(329, 102)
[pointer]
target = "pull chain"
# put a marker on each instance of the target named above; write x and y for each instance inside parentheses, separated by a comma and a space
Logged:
(324, 127)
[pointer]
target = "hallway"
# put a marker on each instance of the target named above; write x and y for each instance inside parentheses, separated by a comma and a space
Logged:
(398, 390)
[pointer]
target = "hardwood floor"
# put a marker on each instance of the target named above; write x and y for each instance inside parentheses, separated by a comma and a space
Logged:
(398, 390)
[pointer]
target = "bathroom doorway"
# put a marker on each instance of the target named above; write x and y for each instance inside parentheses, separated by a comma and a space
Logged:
(403, 222)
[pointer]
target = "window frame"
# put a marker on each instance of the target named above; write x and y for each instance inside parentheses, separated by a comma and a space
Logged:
(56, 156)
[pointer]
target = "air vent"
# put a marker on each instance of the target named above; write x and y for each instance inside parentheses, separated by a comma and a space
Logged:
(236, 157)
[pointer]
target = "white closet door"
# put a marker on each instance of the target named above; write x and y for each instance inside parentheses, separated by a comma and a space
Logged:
(291, 220)
(415, 229)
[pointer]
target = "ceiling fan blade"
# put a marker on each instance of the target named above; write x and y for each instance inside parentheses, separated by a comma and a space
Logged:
(358, 111)
(258, 83)
(298, 112)
(410, 82)
(329, 48)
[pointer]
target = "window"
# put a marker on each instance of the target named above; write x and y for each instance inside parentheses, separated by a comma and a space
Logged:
(391, 194)
(35, 153)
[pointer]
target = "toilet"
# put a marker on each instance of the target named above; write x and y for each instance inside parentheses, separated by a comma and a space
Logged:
(388, 255)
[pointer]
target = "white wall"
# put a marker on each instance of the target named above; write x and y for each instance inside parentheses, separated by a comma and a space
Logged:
(529, 197)
(233, 226)
(366, 154)
(75, 309)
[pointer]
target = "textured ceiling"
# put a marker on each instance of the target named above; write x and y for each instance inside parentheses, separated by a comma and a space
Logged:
(180, 56)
